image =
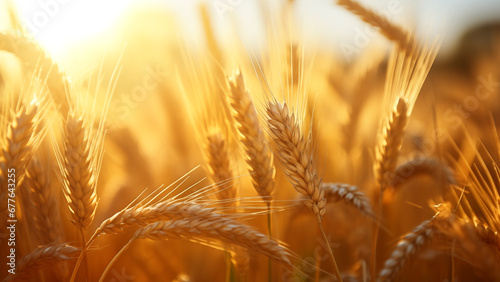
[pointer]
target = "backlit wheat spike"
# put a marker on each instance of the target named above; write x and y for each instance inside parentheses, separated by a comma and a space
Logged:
(213, 231)
(37, 60)
(20, 138)
(407, 249)
(23, 136)
(391, 31)
(388, 151)
(348, 194)
(259, 157)
(406, 74)
(412, 244)
(217, 229)
(79, 170)
(295, 155)
(421, 166)
(42, 257)
(405, 77)
(140, 216)
(219, 165)
(41, 204)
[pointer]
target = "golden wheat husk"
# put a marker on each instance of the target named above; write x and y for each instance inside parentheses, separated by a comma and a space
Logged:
(422, 166)
(348, 194)
(79, 171)
(259, 157)
(24, 132)
(23, 136)
(295, 155)
(140, 216)
(220, 168)
(41, 204)
(406, 73)
(410, 246)
(388, 151)
(217, 229)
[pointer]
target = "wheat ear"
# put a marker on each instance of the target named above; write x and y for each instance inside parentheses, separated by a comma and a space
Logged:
(258, 154)
(41, 203)
(414, 242)
(43, 256)
(406, 74)
(421, 166)
(259, 157)
(80, 165)
(21, 139)
(391, 31)
(24, 134)
(295, 156)
(140, 216)
(348, 194)
(407, 249)
(211, 231)
(79, 170)
(391, 141)
(219, 229)
(219, 166)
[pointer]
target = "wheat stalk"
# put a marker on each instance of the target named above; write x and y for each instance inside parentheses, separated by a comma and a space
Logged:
(259, 157)
(348, 194)
(41, 257)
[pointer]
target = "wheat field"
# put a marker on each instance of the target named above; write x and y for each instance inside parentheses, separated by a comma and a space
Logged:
(227, 160)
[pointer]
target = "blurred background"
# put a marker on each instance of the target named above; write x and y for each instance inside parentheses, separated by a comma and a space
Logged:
(60, 24)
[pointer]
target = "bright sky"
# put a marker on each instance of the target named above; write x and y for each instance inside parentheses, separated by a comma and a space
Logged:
(58, 23)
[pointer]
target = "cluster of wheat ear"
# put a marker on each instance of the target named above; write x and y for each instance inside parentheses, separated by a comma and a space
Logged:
(283, 164)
